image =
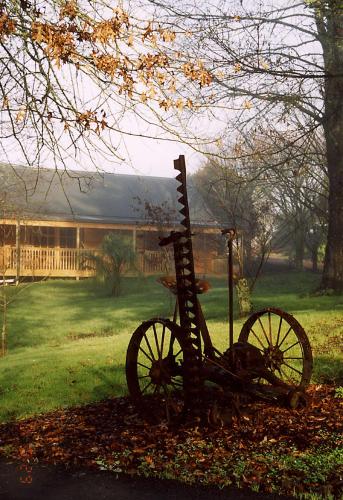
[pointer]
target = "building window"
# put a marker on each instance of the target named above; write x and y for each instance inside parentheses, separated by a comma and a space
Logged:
(67, 237)
(7, 235)
(43, 236)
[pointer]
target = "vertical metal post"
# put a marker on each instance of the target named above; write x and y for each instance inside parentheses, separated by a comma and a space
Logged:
(78, 252)
(242, 254)
(134, 239)
(230, 233)
(230, 284)
(204, 245)
(78, 240)
(17, 248)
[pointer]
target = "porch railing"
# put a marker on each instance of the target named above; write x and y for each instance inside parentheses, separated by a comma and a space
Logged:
(151, 262)
(68, 262)
(73, 262)
(39, 261)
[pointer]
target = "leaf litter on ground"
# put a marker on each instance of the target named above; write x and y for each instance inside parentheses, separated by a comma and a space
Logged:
(267, 448)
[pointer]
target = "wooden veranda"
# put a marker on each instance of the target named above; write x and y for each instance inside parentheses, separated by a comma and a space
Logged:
(65, 262)
(19, 257)
(49, 225)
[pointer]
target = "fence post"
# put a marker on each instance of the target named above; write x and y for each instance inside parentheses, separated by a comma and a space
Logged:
(17, 247)
(134, 239)
(78, 256)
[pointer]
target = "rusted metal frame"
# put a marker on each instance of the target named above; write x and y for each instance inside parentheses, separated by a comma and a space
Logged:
(230, 283)
(188, 305)
(231, 234)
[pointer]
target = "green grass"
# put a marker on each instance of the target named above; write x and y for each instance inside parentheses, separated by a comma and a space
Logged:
(67, 339)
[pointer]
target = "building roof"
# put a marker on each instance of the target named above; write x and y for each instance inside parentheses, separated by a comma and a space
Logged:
(47, 194)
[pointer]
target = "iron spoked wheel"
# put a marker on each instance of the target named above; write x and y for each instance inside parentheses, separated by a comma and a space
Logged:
(284, 345)
(155, 364)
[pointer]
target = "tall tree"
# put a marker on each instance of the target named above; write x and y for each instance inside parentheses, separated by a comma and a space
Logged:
(278, 63)
(295, 175)
(235, 201)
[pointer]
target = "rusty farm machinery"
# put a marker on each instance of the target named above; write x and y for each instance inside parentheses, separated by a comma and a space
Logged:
(175, 362)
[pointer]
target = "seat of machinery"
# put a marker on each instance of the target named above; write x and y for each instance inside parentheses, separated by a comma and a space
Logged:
(202, 286)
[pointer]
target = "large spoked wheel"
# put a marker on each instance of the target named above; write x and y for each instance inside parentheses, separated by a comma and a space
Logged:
(283, 344)
(155, 364)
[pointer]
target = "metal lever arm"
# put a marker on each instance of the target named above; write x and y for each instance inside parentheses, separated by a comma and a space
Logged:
(230, 233)
(172, 238)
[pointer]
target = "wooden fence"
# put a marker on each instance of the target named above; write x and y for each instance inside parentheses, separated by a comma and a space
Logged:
(38, 261)
(73, 262)
(69, 262)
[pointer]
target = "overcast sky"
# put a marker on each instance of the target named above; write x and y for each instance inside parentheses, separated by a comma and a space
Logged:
(154, 157)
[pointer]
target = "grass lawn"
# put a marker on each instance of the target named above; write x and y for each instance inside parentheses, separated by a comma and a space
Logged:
(67, 340)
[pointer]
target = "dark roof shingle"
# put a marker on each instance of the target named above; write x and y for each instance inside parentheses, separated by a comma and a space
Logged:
(47, 194)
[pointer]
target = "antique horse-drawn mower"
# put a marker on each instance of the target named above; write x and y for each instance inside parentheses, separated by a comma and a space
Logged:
(175, 363)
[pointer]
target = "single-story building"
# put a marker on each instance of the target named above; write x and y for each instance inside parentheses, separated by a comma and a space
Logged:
(51, 219)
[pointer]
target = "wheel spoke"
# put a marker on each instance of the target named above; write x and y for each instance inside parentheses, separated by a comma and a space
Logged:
(162, 341)
(177, 383)
(145, 388)
(279, 331)
(157, 389)
(149, 346)
(176, 355)
(149, 370)
(270, 328)
(283, 344)
(292, 368)
(283, 374)
(147, 355)
(264, 331)
(256, 337)
(290, 347)
(282, 341)
(171, 345)
(144, 366)
(156, 342)
(166, 392)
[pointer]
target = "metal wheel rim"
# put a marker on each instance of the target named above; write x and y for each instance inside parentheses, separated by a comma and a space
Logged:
(146, 361)
(281, 330)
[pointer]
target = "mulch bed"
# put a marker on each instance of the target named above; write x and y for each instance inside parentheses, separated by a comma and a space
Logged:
(252, 451)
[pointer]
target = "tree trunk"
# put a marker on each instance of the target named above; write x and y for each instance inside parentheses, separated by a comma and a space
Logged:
(247, 255)
(314, 259)
(244, 297)
(332, 43)
(333, 263)
(299, 248)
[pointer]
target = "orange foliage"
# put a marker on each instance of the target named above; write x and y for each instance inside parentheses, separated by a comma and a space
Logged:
(124, 55)
(7, 26)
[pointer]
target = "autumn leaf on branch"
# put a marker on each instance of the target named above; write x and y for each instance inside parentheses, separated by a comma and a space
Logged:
(73, 59)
